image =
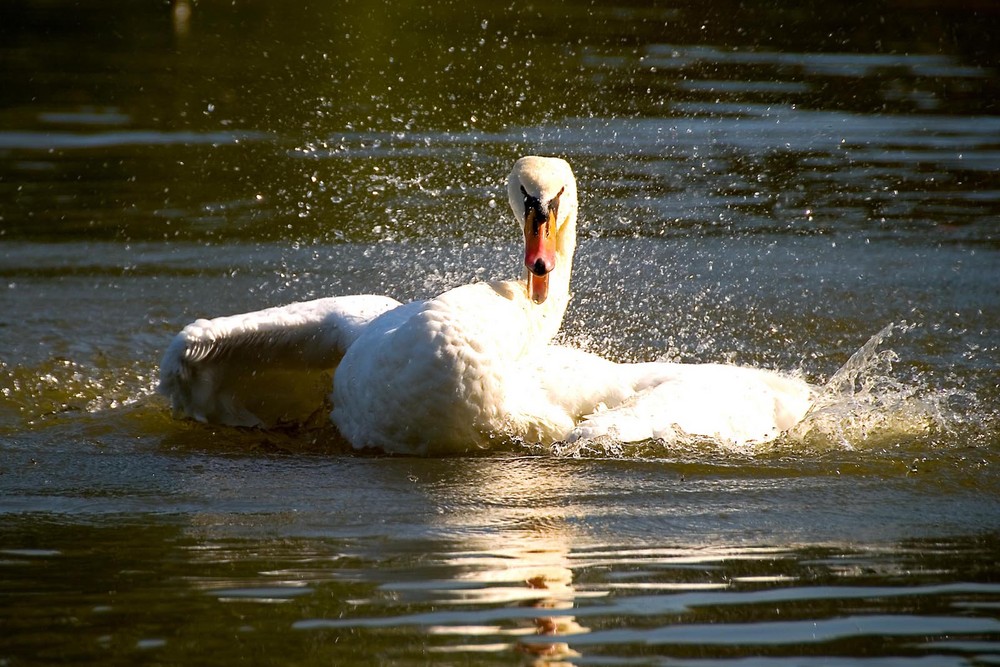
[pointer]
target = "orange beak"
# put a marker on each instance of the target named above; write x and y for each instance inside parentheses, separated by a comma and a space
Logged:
(539, 251)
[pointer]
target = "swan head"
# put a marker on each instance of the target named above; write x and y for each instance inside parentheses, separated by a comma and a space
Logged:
(542, 195)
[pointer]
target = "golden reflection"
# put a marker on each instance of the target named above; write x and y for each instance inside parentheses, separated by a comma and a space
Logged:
(524, 559)
(181, 15)
(532, 570)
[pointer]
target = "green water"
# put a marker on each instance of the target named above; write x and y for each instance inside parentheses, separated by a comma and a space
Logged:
(769, 186)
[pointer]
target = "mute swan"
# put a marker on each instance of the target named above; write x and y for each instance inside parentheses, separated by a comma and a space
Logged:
(449, 374)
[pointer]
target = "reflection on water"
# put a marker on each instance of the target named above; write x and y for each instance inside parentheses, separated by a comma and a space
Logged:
(545, 596)
(762, 185)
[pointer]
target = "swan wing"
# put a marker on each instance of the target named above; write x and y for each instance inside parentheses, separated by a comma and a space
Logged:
(730, 404)
(267, 366)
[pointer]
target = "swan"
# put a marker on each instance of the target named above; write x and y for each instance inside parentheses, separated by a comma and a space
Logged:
(452, 373)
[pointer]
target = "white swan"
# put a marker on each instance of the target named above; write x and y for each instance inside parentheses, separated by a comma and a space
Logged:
(451, 373)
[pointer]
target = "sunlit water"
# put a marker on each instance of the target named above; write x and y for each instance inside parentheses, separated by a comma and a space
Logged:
(814, 191)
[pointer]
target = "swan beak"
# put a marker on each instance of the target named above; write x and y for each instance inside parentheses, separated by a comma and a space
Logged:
(539, 251)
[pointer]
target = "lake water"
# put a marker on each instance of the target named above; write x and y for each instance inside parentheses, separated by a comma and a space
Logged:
(771, 186)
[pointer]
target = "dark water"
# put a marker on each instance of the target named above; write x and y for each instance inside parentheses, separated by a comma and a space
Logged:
(769, 186)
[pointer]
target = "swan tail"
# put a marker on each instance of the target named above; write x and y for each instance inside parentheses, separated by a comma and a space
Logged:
(728, 404)
(266, 367)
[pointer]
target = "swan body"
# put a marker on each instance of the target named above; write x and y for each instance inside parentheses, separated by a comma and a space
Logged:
(450, 374)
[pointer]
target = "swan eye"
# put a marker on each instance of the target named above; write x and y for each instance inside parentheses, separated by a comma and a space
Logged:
(554, 202)
(528, 200)
(532, 204)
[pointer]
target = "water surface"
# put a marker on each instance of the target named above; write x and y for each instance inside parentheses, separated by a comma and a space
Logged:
(761, 186)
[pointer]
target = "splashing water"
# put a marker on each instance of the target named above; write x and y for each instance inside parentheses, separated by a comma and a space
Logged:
(57, 390)
(865, 402)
